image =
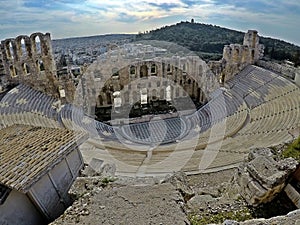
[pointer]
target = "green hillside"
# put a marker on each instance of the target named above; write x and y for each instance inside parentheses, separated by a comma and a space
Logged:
(208, 40)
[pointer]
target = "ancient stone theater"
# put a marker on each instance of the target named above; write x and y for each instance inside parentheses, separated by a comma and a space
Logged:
(151, 111)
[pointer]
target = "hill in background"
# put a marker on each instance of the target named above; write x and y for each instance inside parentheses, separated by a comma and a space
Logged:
(208, 41)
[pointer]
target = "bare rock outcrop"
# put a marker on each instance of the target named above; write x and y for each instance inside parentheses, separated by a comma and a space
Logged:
(96, 167)
(260, 178)
(113, 203)
(180, 181)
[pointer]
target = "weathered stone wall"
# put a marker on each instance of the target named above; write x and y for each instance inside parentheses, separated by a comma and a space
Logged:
(297, 77)
(236, 57)
(29, 60)
(116, 73)
(261, 178)
(285, 70)
(155, 77)
(3, 78)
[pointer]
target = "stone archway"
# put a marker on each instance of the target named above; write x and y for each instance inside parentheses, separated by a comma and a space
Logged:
(144, 71)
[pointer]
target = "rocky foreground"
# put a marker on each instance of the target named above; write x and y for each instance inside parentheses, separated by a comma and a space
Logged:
(216, 198)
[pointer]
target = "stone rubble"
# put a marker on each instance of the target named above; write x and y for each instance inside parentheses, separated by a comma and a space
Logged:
(260, 178)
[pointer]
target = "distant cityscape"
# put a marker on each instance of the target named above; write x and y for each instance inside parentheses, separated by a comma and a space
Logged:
(85, 50)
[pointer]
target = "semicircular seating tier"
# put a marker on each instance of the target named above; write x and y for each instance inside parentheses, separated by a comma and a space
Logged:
(257, 108)
(24, 105)
(74, 118)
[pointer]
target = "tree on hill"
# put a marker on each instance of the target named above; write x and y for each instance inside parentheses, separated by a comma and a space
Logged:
(296, 58)
(208, 40)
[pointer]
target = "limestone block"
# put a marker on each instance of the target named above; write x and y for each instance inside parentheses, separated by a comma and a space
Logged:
(260, 178)
(180, 182)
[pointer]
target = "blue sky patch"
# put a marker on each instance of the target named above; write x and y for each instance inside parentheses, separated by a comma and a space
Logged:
(65, 18)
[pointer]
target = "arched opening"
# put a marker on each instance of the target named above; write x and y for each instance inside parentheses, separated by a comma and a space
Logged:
(236, 54)
(10, 50)
(169, 69)
(115, 72)
(163, 69)
(100, 100)
(252, 54)
(23, 47)
(40, 65)
(1, 67)
(144, 71)
(153, 70)
(117, 99)
(162, 94)
(168, 93)
(132, 71)
(154, 95)
(176, 74)
(144, 96)
(26, 69)
(13, 71)
(37, 42)
(108, 98)
(193, 89)
(198, 93)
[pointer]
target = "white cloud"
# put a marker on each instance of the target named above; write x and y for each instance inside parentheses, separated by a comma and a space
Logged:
(113, 16)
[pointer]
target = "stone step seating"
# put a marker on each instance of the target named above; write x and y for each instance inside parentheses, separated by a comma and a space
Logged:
(10, 115)
(275, 110)
(276, 88)
(222, 110)
(215, 111)
(165, 131)
(222, 106)
(27, 118)
(247, 86)
(281, 104)
(260, 85)
(74, 118)
(27, 99)
(250, 79)
(276, 92)
(272, 119)
(223, 128)
(229, 111)
(233, 150)
(266, 139)
(271, 123)
(218, 109)
(231, 125)
(245, 72)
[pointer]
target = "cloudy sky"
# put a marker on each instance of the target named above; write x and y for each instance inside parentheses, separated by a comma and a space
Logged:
(69, 18)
